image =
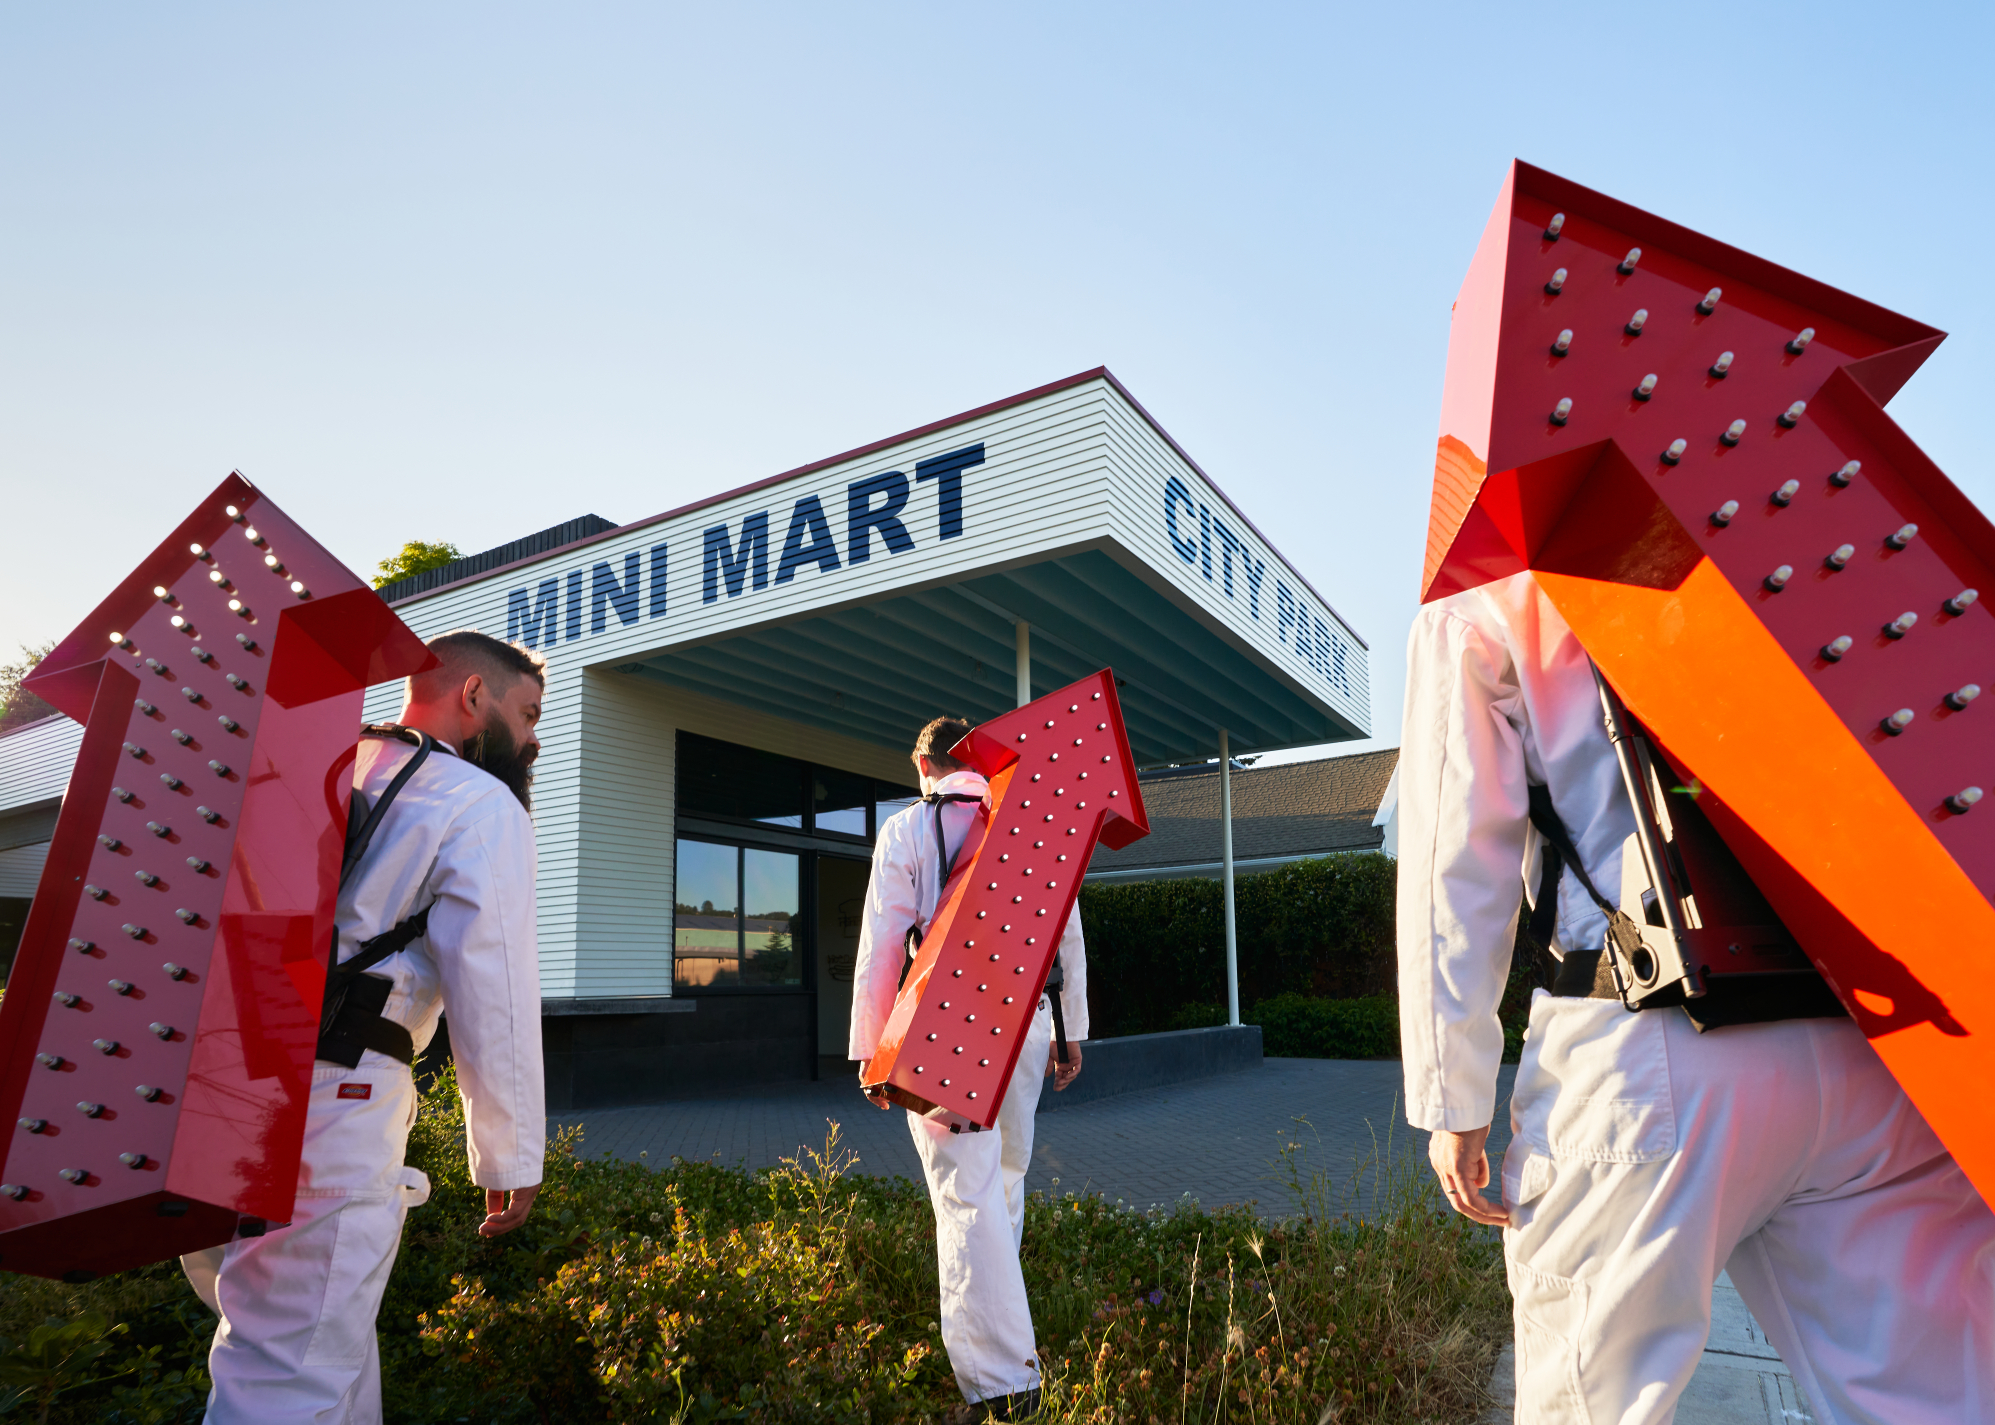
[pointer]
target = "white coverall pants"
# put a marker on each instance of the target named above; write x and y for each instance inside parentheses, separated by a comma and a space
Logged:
(976, 1182)
(297, 1345)
(1647, 1157)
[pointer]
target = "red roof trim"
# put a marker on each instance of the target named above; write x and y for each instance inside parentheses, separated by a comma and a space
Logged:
(1080, 378)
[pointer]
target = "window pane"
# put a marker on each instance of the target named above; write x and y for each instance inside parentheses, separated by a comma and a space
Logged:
(723, 779)
(771, 897)
(706, 932)
(839, 801)
(890, 800)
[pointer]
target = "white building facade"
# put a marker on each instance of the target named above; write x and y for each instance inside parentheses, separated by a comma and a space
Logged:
(733, 688)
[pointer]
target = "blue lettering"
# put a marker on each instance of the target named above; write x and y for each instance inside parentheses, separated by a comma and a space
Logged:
(1174, 491)
(948, 470)
(1339, 673)
(861, 518)
(1228, 547)
(657, 581)
(1205, 542)
(604, 590)
(732, 561)
(530, 625)
(574, 619)
(1284, 611)
(822, 550)
(1257, 570)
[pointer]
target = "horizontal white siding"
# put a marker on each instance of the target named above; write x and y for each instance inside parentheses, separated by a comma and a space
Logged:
(1141, 465)
(604, 801)
(619, 939)
(1038, 490)
(21, 869)
(35, 762)
(615, 938)
(1075, 469)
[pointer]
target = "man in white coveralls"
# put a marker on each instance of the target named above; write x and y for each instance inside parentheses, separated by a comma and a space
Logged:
(1647, 1157)
(976, 1181)
(297, 1341)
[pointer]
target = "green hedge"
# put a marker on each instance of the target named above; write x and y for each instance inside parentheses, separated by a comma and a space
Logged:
(1297, 1026)
(1321, 928)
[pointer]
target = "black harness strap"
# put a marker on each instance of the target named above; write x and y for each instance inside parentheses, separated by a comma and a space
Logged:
(1056, 980)
(350, 1020)
(1582, 973)
(945, 862)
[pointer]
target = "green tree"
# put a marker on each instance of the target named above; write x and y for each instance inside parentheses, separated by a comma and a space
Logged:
(19, 708)
(415, 557)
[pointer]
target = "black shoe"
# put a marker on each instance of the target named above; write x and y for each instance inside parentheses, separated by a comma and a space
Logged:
(1019, 1405)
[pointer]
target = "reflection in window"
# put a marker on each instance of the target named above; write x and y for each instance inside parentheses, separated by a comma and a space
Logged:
(706, 931)
(839, 802)
(771, 899)
(714, 944)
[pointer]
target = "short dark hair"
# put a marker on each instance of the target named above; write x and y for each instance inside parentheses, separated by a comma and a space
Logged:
(935, 740)
(466, 651)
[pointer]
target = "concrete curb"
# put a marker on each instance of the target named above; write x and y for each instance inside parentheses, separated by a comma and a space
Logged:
(1147, 1061)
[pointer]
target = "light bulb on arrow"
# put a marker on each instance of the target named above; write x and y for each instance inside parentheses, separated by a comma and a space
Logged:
(1061, 779)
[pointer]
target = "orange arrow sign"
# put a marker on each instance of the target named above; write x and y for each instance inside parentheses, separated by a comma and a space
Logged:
(1686, 444)
(1061, 778)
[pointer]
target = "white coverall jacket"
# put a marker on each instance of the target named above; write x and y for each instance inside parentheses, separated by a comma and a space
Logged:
(976, 1181)
(297, 1340)
(1646, 1157)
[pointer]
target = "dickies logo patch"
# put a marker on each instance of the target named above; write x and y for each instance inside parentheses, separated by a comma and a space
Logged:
(356, 1090)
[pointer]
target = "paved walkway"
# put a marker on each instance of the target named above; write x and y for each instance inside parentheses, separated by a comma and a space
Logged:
(1221, 1140)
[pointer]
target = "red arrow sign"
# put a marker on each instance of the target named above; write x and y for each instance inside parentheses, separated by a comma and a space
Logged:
(1061, 778)
(194, 871)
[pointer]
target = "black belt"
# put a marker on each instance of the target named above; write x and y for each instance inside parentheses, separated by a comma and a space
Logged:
(1734, 999)
(1585, 974)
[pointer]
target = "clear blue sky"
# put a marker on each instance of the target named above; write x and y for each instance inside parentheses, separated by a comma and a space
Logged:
(461, 272)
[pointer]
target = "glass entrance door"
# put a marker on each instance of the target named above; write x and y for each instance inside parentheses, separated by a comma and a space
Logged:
(841, 902)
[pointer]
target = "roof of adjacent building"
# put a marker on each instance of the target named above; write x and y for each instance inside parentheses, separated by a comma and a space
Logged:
(471, 565)
(1295, 809)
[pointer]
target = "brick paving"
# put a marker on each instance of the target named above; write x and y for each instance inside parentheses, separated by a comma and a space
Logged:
(1219, 1139)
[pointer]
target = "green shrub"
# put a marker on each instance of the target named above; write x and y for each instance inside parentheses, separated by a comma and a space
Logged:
(1304, 1027)
(1320, 927)
(694, 1293)
(1198, 1016)
(1297, 1026)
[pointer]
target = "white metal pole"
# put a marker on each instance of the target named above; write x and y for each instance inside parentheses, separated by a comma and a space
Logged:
(1024, 630)
(1226, 858)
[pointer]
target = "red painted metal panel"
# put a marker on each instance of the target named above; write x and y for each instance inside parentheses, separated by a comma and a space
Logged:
(157, 1038)
(1061, 778)
(1711, 580)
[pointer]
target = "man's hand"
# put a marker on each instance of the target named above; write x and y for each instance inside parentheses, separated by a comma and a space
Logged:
(502, 1216)
(880, 1103)
(1063, 1074)
(1463, 1168)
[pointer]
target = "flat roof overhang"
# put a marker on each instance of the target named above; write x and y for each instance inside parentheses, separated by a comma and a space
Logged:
(1078, 515)
(878, 670)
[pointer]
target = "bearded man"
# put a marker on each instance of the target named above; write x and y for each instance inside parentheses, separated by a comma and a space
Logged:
(437, 916)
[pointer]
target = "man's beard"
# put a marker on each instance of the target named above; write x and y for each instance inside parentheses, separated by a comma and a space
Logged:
(498, 752)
